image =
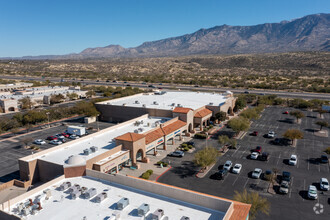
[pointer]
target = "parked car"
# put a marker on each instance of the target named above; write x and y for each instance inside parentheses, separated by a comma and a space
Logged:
(50, 138)
(254, 155)
(286, 176)
(293, 160)
(258, 149)
(271, 134)
(286, 112)
(312, 192)
(190, 143)
(255, 133)
(284, 187)
(59, 136)
(55, 142)
(264, 156)
(324, 184)
(324, 159)
(220, 175)
(256, 174)
(39, 142)
(237, 168)
(65, 134)
(177, 153)
(227, 165)
(63, 140)
(114, 81)
(74, 137)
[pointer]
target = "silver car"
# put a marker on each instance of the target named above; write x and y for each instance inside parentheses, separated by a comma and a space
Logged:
(312, 192)
(228, 165)
(256, 173)
(39, 142)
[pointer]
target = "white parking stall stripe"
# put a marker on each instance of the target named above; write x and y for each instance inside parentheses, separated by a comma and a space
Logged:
(235, 181)
(247, 180)
(291, 187)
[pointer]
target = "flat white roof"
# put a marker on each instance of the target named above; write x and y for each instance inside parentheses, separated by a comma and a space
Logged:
(62, 206)
(103, 140)
(193, 100)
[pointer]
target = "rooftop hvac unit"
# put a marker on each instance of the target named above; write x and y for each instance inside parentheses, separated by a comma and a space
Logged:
(94, 149)
(155, 103)
(75, 187)
(136, 131)
(140, 129)
(184, 218)
(179, 105)
(173, 104)
(87, 151)
(83, 190)
(100, 197)
(75, 194)
(124, 104)
(90, 193)
(158, 214)
(143, 209)
(20, 208)
(48, 193)
(121, 204)
(108, 103)
(115, 216)
(211, 103)
(65, 186)
(26, 210)
(137, 102)
(144, 105)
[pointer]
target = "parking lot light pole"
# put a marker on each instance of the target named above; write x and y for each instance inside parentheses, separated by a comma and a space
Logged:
(47, 113)
(97, 123)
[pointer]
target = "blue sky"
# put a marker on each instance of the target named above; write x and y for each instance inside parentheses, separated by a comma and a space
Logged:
(39, 27)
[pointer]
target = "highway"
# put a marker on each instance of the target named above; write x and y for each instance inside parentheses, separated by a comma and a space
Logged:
(283, 94)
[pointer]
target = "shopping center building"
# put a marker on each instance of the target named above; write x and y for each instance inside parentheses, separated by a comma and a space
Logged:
(82, 167)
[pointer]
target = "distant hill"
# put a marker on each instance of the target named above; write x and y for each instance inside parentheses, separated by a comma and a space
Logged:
(309, 33)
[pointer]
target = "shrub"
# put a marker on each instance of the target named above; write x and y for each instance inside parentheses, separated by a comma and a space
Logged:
(159, 162)
(186, 148)
(211, 126)
(190, 146)
(150, 172)
(200, 136)
(327, 150)
(145, 175)
(184, 145)
(165, 164)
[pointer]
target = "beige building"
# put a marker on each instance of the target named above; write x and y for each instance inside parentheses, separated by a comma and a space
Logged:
(8, 105)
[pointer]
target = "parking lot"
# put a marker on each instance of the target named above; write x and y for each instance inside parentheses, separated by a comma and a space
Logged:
(12, 149)
(308, 171)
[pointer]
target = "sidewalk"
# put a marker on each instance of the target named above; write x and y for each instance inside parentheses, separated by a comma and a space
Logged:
(153, 160)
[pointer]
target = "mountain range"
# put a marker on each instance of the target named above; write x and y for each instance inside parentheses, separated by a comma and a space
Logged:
(309, 33)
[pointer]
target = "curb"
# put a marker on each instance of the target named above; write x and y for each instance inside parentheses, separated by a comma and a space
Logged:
(163, 173)
(207, 171)
(215, 132)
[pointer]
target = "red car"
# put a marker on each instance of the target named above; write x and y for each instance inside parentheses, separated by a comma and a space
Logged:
(50, 138)
(286, 112)
(65, 134)
(258, 149)
(255, 133)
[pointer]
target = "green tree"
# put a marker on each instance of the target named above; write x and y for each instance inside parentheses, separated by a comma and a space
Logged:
(258, 203)
(321, 112)
(223, 139)
(250, 113)
(297, 114)
(56, 98)
(293, 134)
(90, 93)
(206, 157)
(240, 103)
(239, 124)
(221, 116)
(72, 96)
(26, 103)
(322, 124)
(86, 108)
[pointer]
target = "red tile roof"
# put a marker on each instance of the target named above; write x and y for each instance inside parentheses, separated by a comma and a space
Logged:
(181, 110)
(202, 113)
(154, 135)
(130, 137)
(173, 126)
(241, 211)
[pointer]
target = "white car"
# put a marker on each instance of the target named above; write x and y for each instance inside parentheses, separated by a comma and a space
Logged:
(73, 137)
(312, 192)
(271, 134)
(227, 165)
(237, 168)
(324, 184)
(293, 160)
(254, 155)
(55, 142)
(256, 173)
(59, 136)
(39, 142)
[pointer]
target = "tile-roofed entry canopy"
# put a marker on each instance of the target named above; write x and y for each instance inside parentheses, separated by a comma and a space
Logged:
(202, 113)
(181, 110)
(130, 136)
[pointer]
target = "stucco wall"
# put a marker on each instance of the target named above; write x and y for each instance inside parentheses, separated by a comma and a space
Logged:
(48, 170)
(74, 171)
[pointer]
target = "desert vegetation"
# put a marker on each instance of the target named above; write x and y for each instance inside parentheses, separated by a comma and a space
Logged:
(300, 71)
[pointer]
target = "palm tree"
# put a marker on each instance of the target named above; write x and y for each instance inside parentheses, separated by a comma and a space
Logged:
(258, 203)
(322, 124)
